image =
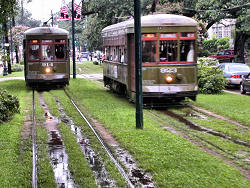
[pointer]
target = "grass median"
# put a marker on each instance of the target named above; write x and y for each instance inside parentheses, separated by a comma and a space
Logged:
(172, 160)
(233, 106)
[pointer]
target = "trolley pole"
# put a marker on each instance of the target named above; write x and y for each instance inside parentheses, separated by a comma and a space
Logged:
(138, 66)
(73, 40)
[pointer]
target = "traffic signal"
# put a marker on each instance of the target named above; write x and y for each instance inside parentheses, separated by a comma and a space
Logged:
(76, 15)
(64, 16)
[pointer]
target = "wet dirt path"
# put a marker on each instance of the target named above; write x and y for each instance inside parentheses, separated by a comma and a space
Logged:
(58, 155)
(102, 177)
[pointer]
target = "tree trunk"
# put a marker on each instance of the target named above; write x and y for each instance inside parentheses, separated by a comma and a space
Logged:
(22, 12)
(16, 46)
(6, 40)
(239, 45)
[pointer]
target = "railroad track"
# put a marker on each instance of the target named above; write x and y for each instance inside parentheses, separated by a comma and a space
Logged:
(193, 133)
(127, 177)
(115, 161)
(34, 152)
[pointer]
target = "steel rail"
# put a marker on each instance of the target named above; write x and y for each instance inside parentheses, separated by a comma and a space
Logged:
(119, 167)
(34, 166)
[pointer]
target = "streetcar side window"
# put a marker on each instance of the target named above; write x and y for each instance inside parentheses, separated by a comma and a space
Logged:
(149, 42)
(148, 51)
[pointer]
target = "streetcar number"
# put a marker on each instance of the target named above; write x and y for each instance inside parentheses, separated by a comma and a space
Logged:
(168, 70)
(47, 64)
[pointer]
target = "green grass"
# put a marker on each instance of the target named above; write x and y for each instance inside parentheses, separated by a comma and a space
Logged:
(15, 152)
(13, 74)
(87, 67)
(228, 148)
(172, 160)
(218, 125)
(235, 107)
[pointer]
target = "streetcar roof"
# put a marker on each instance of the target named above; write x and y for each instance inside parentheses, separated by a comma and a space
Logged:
(46, 30)
(155, 20)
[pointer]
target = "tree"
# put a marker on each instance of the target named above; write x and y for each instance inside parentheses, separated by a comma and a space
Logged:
(7, 9)
(26, 19)
(212, 11)
(17, 37)
(23, 20)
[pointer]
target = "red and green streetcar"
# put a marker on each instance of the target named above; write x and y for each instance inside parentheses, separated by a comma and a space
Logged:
(169, 69)
(46, 57)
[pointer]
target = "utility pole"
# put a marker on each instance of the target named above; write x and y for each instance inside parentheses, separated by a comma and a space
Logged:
(73, 40)
(138, 66)
(52, 18)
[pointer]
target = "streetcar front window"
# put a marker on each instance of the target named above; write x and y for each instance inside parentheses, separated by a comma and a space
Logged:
(148, 51)
(47, 52)
(59, 51)
(168, 50)
(34, 52)
(187, 47)
(187, 50)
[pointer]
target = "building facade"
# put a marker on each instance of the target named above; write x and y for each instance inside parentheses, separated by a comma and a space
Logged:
(223, 29)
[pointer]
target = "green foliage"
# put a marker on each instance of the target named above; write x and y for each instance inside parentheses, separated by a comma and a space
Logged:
(17, 68)
(209, 47)
(222, 43)
(210, 77)
(7, 8)
(9, 105)
(26, 19)
(214, 45)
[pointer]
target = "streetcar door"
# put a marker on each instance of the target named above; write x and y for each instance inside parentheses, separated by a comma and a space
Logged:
(150, 77)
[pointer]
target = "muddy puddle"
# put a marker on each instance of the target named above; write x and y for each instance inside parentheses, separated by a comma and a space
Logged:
(59, 161)
(138, 177)
(102, 177)
(58, 155)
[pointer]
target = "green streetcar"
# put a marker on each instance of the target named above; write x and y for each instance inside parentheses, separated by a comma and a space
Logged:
(169, 55)
(46, 57)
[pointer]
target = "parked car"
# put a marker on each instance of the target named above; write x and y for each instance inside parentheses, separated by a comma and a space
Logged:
(245, 84)
(226, 55)
(233, 72)
(85, 56)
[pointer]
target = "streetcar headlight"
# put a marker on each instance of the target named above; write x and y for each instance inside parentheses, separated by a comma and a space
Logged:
(169, 78)
(48, 69)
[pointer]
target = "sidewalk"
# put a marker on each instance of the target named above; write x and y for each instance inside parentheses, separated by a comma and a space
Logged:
(11, 78)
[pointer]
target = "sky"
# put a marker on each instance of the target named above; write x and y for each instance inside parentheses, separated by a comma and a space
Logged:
(41, 9)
